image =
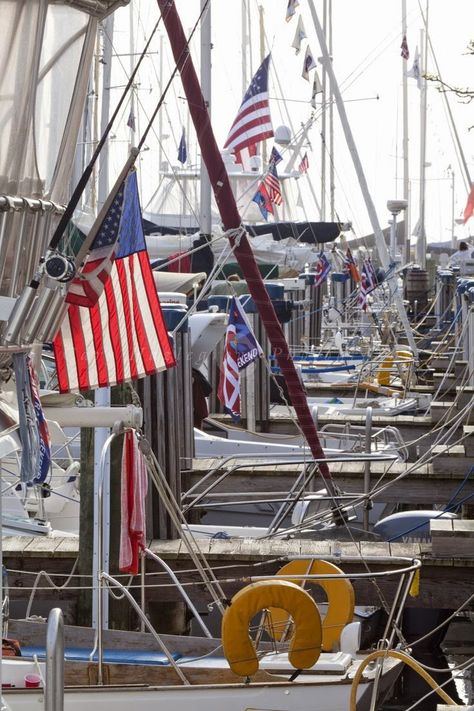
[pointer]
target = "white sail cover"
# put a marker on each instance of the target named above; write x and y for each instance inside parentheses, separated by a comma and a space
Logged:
(45, 56)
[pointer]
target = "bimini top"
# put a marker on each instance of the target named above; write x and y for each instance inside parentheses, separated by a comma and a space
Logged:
(96, 8)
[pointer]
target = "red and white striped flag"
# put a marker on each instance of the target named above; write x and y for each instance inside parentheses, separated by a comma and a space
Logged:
(87, 286)
(304, 165)
(134, 488)
(241, 349)
(253, 122)
(123, 336)
(272, 184)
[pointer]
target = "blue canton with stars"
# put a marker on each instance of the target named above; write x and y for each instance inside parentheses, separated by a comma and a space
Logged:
(259, 83)
(109, 231)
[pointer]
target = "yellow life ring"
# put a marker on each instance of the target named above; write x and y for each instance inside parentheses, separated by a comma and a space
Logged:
(305, 645)
(386, 367)
(340, 594)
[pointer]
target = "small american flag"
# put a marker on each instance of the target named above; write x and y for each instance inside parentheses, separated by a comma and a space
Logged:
(405, 53)
(272, 184)
(304, 165)
(123, 336)
(368, 282)
(253, 122)
(87, 286)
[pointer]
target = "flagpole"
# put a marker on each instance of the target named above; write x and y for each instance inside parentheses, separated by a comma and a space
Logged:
(379, 238)
(406, 164)
(102, 395)
(232, 223)
(323, 124)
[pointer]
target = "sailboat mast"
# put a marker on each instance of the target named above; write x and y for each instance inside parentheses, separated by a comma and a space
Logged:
(406, 164)
(232, 221)
(205, 221)
(421, 241)
(324, 84)
(379, 238)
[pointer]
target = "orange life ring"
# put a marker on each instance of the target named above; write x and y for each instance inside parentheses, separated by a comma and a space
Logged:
(340, 594)
(305, 645)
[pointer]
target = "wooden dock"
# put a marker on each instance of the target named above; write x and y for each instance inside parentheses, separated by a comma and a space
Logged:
(426, 484)
(446, 581)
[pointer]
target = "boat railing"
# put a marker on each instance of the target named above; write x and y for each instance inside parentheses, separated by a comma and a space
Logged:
(400, 367)
(353, 438)
(54, 683)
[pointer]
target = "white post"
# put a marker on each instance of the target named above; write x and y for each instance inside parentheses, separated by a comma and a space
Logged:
(379, 238)
(102, 395)
(205, 184)
(453, 236)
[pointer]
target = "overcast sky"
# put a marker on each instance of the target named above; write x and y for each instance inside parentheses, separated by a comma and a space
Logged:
(367, 63)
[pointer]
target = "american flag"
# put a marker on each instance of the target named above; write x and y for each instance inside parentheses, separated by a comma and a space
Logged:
(253, 122)
(123, 336)
(368, 282)
(272, 184)
(323, 268)
(241, 349)
(86, 288)
(304, 165)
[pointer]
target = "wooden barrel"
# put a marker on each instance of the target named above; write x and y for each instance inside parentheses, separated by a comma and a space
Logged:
(416, 287)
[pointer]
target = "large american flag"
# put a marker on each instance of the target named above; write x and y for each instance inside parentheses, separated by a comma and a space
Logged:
(123, 336)
(253, 122)
(87, 286)
(272, 184)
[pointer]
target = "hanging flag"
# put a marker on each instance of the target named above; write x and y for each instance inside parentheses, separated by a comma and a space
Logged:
(87, 286)
(43, 462)
(253, 122)
(368, 282)
(300, 35)
(123, 336)
(322, 269)
(304, 165)
(308, 64)
(469, 209)
(317, 89)
(415, 71)
(275, 157)
(291, 9)
(182, 150)
(350, 266)
(263, 200)
(131, 120)
(272, 184)
(134, 487)
(240, 350)
(405, 53)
